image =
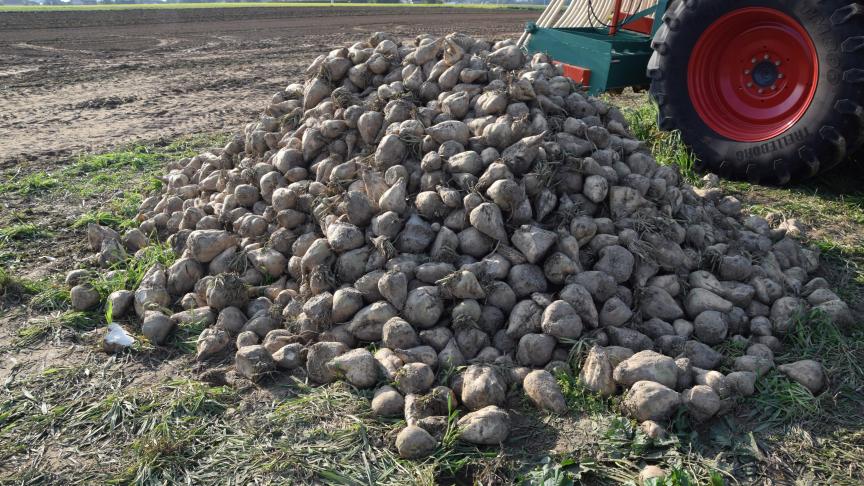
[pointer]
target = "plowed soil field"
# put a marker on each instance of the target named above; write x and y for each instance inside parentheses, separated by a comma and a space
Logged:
(89, 80)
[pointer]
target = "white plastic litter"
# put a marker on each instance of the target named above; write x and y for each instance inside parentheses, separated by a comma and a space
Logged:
(117, 339)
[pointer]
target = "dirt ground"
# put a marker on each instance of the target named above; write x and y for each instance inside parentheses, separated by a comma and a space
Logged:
(90, 80)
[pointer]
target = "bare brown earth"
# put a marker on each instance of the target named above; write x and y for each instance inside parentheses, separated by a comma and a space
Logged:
(90, 80)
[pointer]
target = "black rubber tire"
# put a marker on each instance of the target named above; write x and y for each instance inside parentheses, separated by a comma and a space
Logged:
(830, 129)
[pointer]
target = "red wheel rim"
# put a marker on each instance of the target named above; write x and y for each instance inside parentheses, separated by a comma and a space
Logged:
(753, 74)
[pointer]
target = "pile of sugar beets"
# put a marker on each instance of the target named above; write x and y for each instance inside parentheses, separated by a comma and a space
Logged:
(468, 214)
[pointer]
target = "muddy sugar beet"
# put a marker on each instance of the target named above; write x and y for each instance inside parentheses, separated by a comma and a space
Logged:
(469, 213)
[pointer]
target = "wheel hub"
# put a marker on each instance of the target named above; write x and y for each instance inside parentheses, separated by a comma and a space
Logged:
(753, 74)
(765, 73)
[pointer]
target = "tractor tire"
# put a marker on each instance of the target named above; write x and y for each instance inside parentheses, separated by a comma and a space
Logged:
(768, 91)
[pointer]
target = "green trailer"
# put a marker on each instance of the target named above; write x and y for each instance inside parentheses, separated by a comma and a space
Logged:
(769, 91)
(602, 62)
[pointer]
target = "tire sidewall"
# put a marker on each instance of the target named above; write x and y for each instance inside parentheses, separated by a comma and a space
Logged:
(747, 157)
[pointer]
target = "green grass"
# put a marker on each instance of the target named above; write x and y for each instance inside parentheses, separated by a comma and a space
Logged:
(44, 295)
(5, 280)
(119, 213)
(187, 432)
(37, 330)
(29, 184)
(112, 170)
(23, 231)
(567, 473)
(780, 400)
(679, 477)
(185, 336)
(104, 218)
(165, 433)
(330, 434)
(667, 147)
(816, 337)
(183, 6)
(820, 437)
(128, 275)
(10, 283)
(582, 400)
(91, 175)
(618, 451)
(50, 297)
(730, 350)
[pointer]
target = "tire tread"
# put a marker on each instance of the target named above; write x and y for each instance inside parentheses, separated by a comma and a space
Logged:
(839, 135)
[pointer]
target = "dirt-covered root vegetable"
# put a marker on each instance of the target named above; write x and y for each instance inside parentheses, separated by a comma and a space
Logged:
(648, 400)
(393, 286)
(487, 218)
(394, 198)
(388, 363)
(204, 245)
(231, 319)
(651, 473)
(202, 316)
(450, 130)
(343, 236)
(535, 349)
(211, 342)
(544, 391)
(808, 373)
(419, 354)
(388, 402)
(488, 426)
(561, 320)
(647, 365)
(289, 356)
(317, 358)
(119, 302)
(357, 367)
(462, 285)
(423, 307)
(315, 91)
(253, 362)
(465, 211)
(413, 442)
(156, 327)
(743, 383)
(526, 279)
(653, 430)
(509, 57)
(183, 275)
(97, 235)
(414, 378)
(346, 302)
(227, 290)
(84, 297)
(368, 322)
(701, 401)
(482, 386)
(246, 338)
(597, 372)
